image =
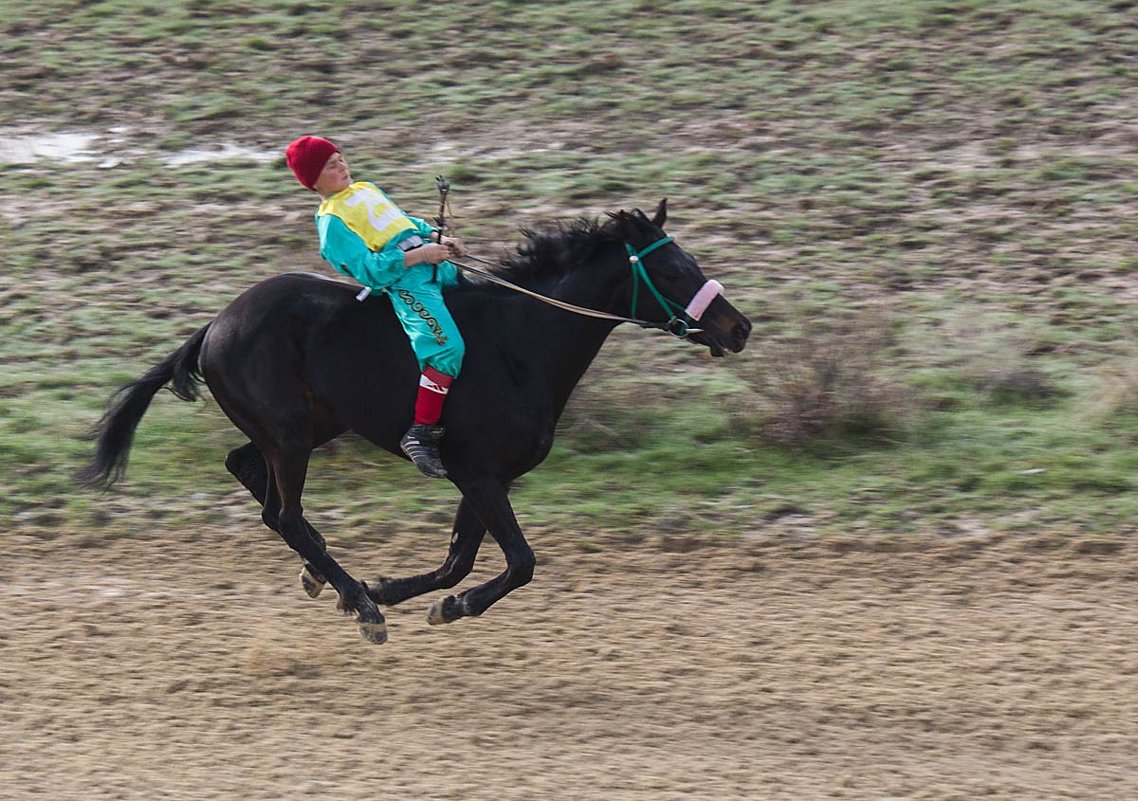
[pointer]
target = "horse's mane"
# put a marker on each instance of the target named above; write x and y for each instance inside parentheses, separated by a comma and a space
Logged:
(555, 251)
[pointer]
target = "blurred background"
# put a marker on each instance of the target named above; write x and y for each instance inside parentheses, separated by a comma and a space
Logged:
(883, 552)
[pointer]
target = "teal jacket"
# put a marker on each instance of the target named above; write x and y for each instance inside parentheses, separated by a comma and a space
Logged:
(347, 252)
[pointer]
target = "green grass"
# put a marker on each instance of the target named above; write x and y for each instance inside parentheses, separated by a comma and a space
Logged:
(961, 169)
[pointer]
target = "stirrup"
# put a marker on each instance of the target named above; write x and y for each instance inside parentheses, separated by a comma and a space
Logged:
(421, 444)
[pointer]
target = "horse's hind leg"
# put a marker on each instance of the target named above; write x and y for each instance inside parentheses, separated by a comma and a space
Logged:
(248, 466)
(464, 542)
(288, 468)
(489, 501)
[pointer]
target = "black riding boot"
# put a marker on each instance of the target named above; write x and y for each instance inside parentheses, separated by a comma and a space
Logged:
(421, 444)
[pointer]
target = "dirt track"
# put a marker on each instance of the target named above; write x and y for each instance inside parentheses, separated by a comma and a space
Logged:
(193, 667)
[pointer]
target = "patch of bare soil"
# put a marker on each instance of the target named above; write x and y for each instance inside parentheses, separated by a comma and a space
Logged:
(193, 667)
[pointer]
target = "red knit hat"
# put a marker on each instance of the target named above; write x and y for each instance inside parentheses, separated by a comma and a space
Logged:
(307, 156)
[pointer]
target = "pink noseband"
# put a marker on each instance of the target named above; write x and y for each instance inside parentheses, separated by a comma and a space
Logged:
(707, 293)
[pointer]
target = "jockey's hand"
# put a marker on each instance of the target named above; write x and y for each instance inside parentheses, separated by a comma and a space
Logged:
(456, 245)
(427, 254)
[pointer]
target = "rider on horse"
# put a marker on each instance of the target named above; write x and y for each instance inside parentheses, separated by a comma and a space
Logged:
(363, 234)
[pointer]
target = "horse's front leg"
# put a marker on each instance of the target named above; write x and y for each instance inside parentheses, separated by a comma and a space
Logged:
(464, 541)
(488, 500)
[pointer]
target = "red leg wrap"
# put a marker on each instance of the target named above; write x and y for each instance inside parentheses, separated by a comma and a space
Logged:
(433, 388)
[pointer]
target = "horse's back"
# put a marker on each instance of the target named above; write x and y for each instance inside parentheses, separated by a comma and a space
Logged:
(299, 344)
(289, 296)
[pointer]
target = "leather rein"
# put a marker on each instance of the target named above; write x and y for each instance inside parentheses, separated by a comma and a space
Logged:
(675, 325)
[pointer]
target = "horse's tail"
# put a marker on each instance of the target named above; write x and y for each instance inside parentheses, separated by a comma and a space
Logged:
(115, 431)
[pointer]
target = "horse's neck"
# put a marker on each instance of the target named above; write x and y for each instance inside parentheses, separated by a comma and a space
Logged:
(571, 350)
(569, 342)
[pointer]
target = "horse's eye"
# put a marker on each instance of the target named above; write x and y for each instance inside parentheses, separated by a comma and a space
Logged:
(673, 268)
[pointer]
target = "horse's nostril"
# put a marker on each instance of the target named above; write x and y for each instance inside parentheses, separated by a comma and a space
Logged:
(739, 336)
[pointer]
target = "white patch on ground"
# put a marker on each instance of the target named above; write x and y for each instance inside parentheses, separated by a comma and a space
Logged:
(27, 146)
(28, 149)
(223, 152)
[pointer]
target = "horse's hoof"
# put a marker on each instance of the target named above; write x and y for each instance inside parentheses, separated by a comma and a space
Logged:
(372, 625)
(312, 581)
(374, 632)
(447, 610)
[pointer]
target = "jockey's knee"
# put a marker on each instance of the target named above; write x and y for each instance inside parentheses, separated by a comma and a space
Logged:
(448, 358)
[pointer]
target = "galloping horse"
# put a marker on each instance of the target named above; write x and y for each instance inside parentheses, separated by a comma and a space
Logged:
(296, 361)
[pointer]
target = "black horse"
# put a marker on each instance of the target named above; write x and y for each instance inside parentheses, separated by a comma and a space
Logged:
(296, 361)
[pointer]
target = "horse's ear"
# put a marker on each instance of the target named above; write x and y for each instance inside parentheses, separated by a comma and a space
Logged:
(661, 214)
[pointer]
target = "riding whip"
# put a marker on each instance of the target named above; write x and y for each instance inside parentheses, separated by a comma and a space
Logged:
(444, 189)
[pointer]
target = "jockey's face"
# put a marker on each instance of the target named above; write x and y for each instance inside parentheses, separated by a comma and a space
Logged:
(335, 176)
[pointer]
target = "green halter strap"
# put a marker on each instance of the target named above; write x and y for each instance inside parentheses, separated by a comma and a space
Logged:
(636, 260)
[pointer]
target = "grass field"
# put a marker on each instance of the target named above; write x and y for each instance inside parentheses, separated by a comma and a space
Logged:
(927, 208)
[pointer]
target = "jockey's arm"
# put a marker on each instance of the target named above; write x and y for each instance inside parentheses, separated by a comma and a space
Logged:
(348, 253)
(427, 254)
(454, 244)
(432, 234)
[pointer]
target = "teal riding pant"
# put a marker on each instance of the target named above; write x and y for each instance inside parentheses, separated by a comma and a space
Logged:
(418, 303)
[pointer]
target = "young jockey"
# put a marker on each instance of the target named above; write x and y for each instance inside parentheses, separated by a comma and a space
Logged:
(363, 234)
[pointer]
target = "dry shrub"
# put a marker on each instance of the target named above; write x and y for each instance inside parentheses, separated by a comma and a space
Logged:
(829, 383)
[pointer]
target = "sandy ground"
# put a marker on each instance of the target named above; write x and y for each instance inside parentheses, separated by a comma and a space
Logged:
(178, 666)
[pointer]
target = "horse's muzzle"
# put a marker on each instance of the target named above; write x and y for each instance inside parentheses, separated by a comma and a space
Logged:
(724, 329)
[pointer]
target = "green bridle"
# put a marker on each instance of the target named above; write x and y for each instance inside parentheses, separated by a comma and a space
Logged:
(675, 325)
